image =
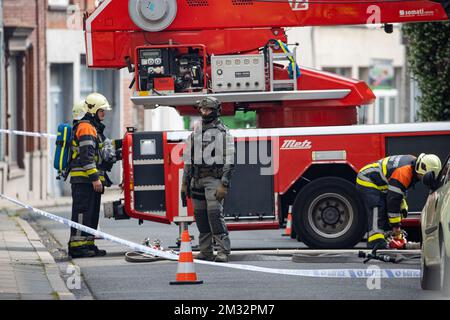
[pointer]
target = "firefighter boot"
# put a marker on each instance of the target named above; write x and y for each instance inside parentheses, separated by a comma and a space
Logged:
(223, 241)
(81, 252)
(207, 256)
(378, 244)
(98, 252)
(221, 257)
(205, 246)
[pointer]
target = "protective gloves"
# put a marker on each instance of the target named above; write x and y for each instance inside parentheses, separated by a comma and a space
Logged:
(404, 208)
(221, 192)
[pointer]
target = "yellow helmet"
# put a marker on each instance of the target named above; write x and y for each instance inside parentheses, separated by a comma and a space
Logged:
(428, 162)
(79, 110)
(96, 101)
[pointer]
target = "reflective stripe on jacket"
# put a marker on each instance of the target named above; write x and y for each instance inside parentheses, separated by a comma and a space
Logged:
(85, 151)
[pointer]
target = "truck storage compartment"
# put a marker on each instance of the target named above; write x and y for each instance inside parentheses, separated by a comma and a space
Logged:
(148, 165)
(251, 196)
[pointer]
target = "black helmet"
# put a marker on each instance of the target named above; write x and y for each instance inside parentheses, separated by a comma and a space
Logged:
(211, 103)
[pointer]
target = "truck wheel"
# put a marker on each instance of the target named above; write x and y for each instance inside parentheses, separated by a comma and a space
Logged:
(430, 275)
(445, 272)
(329, 214)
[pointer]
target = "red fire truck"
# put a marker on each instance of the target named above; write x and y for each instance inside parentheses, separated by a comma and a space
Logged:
(307, 148)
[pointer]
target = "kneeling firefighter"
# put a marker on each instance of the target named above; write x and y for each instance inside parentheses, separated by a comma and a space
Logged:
(383, 186)
(92, 155)
(209, 163)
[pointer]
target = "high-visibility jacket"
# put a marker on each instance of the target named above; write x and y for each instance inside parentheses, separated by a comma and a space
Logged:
(393, 175)
(86, 146)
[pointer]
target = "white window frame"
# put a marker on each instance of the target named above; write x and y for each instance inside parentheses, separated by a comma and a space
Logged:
(387, 96)
(58, 4)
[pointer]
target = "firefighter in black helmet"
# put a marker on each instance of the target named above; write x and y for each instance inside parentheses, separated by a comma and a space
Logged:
(209, 163)
(383, 185)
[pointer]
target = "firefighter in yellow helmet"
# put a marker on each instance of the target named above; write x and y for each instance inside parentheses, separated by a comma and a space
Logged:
(87, 175)
(383, 185)
(79, 111)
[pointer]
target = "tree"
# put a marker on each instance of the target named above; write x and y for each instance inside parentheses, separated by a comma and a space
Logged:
(428, 57)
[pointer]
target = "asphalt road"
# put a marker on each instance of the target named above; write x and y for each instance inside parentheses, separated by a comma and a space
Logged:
(112, 277)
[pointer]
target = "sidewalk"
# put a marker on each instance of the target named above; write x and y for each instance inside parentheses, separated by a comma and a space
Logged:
(27, 270)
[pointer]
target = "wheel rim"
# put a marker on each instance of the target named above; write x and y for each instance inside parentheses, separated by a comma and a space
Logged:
(330, 215)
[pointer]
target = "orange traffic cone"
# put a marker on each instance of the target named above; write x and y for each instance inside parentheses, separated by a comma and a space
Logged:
(186, 273)
(288, 229)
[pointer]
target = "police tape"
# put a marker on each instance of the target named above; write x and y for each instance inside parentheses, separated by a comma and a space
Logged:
(29, 134)
(69, 223)
(370, 272)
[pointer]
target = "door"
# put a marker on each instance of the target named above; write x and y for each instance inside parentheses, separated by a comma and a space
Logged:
(59, 111)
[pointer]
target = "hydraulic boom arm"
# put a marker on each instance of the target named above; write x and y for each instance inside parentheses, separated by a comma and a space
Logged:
(228, 26)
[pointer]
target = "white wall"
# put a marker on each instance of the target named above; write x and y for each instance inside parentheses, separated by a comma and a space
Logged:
(354, 47)
(65, 46)
(351, 46)
(163, 118)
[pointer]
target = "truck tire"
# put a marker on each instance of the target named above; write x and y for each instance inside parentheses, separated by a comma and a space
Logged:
(429, 276)
(328, 214)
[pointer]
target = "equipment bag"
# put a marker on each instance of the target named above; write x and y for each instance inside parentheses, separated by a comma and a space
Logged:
(63, 149)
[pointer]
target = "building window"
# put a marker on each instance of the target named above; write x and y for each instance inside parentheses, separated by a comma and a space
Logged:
(342, 71)
(104, 82)
(15, 107)
(386, 106)
(55, 4)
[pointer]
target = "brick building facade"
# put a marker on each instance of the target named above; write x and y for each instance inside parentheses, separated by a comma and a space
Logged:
(23, 161)
(43, 72)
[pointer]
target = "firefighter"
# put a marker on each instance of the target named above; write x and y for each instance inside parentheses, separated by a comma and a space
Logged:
(87, 175)
(383, 186)
(209, 163)
(78, 111)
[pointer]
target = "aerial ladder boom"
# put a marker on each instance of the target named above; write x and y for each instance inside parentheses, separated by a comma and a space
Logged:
(191, 39)
(122, 24)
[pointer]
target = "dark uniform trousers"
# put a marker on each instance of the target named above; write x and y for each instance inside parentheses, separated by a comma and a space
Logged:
(375, 206)
(382, 186)
(208, 212)
(85, 210)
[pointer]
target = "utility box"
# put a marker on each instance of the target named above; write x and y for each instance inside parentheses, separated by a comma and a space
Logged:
(234, 73)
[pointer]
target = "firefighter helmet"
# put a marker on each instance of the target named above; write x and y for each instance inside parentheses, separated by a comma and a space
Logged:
(428, 162)
(96, 101)
(79, 110)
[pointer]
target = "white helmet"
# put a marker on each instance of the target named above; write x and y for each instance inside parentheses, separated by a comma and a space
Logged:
(96, 101)
(428, 162)
(79, 110)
